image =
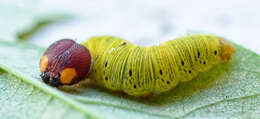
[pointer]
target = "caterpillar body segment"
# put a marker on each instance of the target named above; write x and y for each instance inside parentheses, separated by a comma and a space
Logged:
(122, 66)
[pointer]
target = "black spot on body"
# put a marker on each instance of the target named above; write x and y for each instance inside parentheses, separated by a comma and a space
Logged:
(160, 71)
(95, 70)
(182, 63)
(106, 64)
(168, 82)
(106, 78)
(134, 86)
(198, 54)
(215, 52)
(124, 43)
(190, 71)
(130, 72)
(204, 62)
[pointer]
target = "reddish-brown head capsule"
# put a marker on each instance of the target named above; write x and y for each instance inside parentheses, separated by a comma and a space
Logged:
(65, 63)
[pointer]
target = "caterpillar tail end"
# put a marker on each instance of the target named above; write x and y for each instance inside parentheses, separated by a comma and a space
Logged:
(226, 50)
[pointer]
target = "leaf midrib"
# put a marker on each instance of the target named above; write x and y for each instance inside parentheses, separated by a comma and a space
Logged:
(50, 91)
(69, 101)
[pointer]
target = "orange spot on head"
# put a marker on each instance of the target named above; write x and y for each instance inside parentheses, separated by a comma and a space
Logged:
(44, 63)
(67, 75)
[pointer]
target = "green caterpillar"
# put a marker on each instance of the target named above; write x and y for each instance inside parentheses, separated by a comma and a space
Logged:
(122, 66)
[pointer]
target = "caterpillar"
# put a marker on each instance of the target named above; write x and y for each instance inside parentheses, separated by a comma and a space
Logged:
(120, 65)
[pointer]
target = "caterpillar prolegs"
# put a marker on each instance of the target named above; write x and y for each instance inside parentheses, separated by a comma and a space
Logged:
(136, 70)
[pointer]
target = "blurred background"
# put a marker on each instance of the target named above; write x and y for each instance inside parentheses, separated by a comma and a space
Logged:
(143, 22)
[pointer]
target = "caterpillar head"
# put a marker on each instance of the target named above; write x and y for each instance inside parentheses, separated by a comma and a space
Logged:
(226, 50)
(65, 63)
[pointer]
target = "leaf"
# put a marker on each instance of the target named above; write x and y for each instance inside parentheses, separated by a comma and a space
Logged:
(226, 91)
(21, 100)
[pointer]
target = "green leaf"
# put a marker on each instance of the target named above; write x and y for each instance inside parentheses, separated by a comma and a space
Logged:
(226, 91)
(21, 100)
